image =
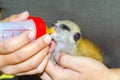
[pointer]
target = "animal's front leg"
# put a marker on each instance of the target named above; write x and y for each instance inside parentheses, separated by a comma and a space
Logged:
(55, 55)
(53, 59)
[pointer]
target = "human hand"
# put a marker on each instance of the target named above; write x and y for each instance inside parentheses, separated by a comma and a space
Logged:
(77, 68)
(21, 55)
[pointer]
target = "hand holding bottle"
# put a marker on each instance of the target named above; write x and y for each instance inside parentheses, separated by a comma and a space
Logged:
(20, 54)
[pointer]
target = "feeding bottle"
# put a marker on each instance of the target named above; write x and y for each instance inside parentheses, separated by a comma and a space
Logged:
(11, 29)
(35, 24)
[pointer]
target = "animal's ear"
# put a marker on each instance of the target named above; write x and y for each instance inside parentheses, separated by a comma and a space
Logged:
(77, 36)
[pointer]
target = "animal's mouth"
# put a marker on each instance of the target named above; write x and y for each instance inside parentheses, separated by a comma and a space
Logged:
(53, 43)
(53, 35)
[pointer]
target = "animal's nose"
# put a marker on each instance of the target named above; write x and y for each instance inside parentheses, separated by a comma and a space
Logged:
(52, 25)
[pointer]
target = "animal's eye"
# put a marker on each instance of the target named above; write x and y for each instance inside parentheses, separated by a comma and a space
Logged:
(65, 27)
(77, 36)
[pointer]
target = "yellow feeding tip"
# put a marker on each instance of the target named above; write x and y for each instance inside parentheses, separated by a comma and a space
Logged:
(49, 30)
(4, 76)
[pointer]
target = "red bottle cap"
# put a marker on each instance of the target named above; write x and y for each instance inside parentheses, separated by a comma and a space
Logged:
(40, 26)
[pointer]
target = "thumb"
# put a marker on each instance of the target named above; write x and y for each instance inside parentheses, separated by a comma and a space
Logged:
(71, 62)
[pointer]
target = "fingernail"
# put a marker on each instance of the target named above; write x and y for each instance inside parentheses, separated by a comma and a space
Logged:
(47, 38)
(31, 35)
(23, 13)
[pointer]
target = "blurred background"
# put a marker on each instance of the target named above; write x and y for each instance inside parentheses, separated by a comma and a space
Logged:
(99, 19)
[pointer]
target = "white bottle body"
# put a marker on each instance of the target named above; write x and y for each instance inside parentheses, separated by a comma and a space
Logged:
(11, 29)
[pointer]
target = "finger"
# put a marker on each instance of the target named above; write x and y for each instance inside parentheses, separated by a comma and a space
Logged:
(71, 62)
(76, 63)
(26, 52)
(37, 70)
(23, 16)
(45, 76)
(12, 44)
(56, 72)
(17, 17)
(28, 65)
(10, 18)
